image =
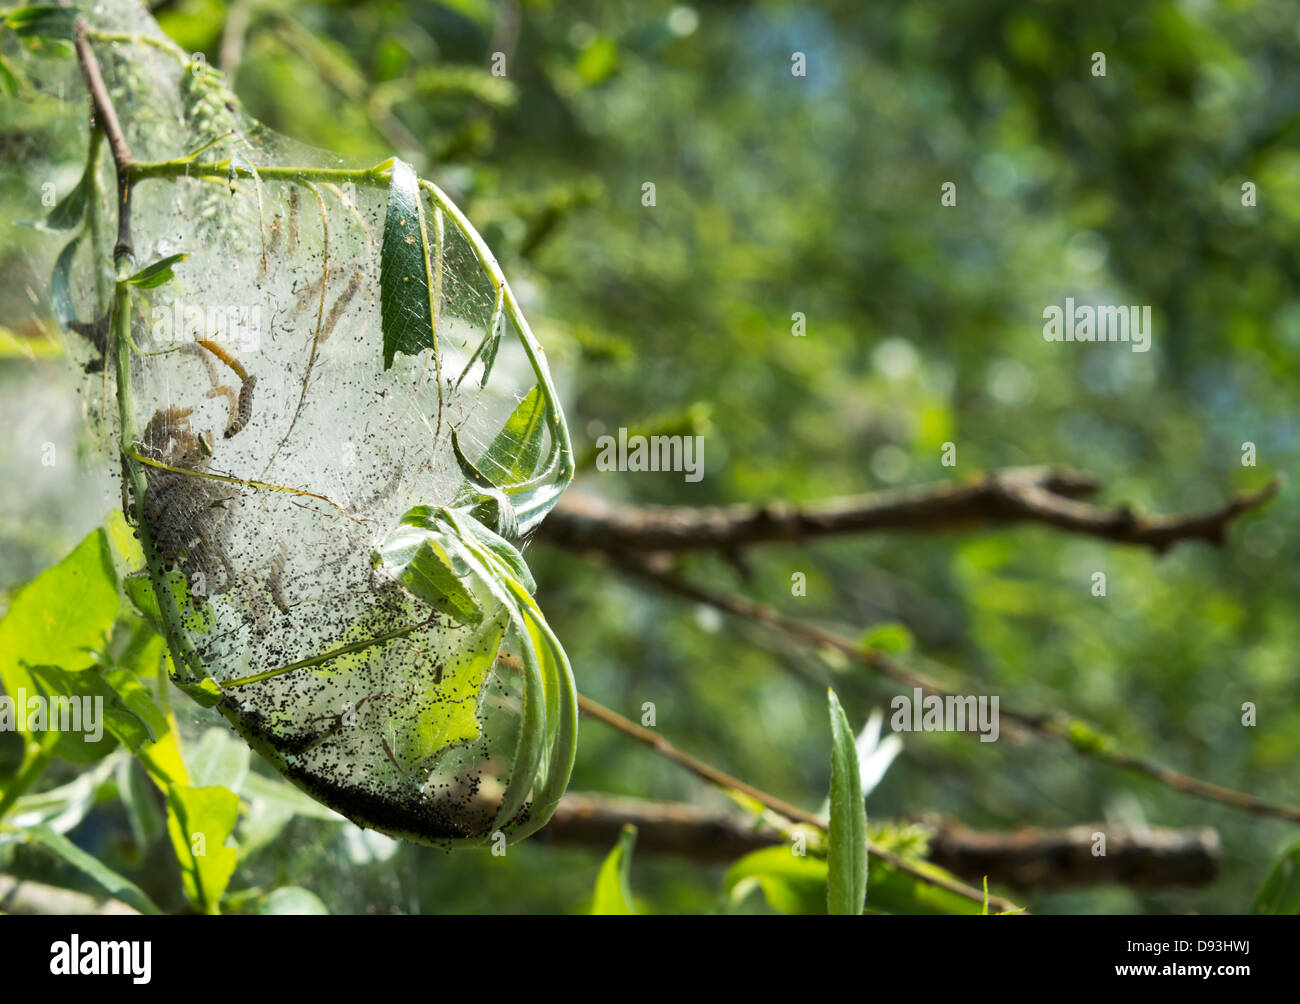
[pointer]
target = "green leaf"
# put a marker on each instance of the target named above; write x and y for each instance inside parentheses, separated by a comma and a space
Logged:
(120, 718)
(44, 21)
(218, 759)
(598, 61)
(409, 272)
(110, 881)
(69, 210)
(513, 457)
(143, 653)
(139, 590)
(460, 568)
(200, 820)
(487, 348)
(138, 700)
(448, 714)
(164, 763)
(846, 857)
(493, 507)
(891, 638)
(71, 728)
(142, 813)
(61, 616)
(1280, 893)
(613, 895)
(893, 891)
(791, 883)
(64, 807)
(421, 561)
(9, 80)
(122, 540)
(61, 285)
(292, 901)
(83, 700)
(157, 273)
(471, 529)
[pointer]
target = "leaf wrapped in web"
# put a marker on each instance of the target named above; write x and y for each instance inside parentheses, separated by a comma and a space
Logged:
(331, 514)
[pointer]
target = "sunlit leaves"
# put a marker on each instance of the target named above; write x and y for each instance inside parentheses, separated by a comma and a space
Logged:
(446, 711)
(426, 566)
(462, 569)
(613, 895)
(200, 820)
(791, 883)
(514, 455)
(156, 273)
(61, 617)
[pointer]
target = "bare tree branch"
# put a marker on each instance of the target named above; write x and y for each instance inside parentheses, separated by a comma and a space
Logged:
(1025, 858)
(107, 115)
(1031, 858)
(1019, 495)
(1073, 732)
(678, 828)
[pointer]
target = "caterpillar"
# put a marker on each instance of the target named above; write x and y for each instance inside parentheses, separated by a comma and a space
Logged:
(224, 356)
(244, 408)
(273, 580)
(277, 228)
(295, 218)
(341, 304)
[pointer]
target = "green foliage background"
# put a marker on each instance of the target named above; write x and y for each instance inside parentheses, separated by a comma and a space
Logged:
(778, 194)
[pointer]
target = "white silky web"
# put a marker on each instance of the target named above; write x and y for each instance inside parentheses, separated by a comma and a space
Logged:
(280, 448)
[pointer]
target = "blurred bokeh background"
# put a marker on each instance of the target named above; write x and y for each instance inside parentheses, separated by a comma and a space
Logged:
(820, 194)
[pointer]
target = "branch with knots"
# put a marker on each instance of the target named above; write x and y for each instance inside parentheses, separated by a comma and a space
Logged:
(1013, 496)
(1023, 858)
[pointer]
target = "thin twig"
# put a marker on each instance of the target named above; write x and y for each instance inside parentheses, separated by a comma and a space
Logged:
(122, 159)
(723, 780)
(1073, 732)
